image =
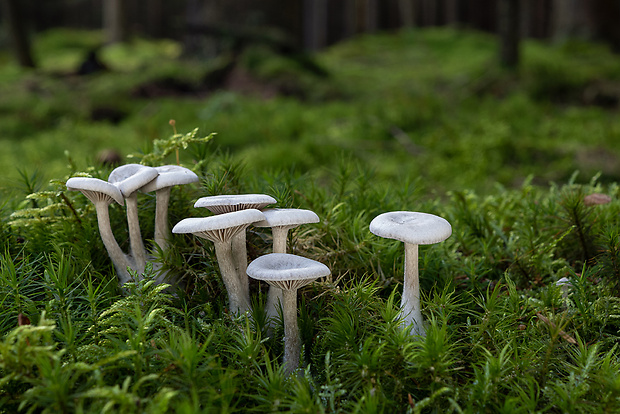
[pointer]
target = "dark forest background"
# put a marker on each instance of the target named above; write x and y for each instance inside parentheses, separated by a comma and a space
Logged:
(204, 25)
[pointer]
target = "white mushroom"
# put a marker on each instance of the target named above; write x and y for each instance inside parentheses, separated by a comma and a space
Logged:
(129, 179)
(225, 204)
(281, 220)
(413, 229)
(220, 230)
(101, 194)
(288, 272)
(169, 176)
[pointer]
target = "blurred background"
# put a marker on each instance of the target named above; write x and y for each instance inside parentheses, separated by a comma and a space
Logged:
(501, 90)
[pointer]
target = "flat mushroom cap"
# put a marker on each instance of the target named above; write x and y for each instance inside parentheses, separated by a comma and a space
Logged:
(220, 227)
(226, 203)
(287, 217)
(170, 175)
(94, 188)
(286, 271)
(411, 227)
(131, 177)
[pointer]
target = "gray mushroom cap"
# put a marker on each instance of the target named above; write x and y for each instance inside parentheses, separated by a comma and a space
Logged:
(170, 175)
(411, 227)
(286, 271)
(95, 189)
(131, 177)
(226, 203)
(220, 227)
(287, 217)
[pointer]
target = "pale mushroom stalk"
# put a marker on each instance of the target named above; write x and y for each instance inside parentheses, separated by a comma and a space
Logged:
(292, 341)
(410, 303)
(162, 234)
(274, 294)
(240, 258)
(135, 236)
(237, 298)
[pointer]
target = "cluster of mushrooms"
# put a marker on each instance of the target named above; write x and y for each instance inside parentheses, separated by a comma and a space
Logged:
(226, 228)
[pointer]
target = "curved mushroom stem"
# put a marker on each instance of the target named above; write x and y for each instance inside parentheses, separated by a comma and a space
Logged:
(237, 302)
(274, 295)
(135, 237)
(162, 234)
(410, 304)
(119, 259)
(292, 342)
(240, 257)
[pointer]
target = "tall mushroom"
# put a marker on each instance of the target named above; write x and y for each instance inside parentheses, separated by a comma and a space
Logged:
(129, 179)
(220, 230)
(281, 220)
(169, 176)
(227, 203)
(288, 272)
(413, 229)
(101, 194)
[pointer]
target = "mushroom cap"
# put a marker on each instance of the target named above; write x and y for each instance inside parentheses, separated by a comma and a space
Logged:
(95, 189)
(220, 227)
(287, 217)
(131, 177)
(226, 203)
(170, 175)
(286, 271)
(411, 227)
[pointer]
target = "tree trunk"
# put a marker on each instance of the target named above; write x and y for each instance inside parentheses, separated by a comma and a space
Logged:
(115, 21)
(508, 27)
(18, 32)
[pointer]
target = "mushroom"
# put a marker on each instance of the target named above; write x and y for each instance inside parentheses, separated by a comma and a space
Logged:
(281, 220)
(288, 272)
(413, 229)
(220, 229)
(129, 179)
(169, 176)
(101, 194)
(226, 203)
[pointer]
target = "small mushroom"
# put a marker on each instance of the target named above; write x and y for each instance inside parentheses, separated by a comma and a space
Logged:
(129, 179)
(101, 194)
(413, 229)
(288, 272)
(169, 176)
(220, 229)
(281, 220)
(221, 204)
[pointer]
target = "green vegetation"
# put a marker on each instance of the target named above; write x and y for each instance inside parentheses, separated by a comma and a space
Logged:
(420, 120)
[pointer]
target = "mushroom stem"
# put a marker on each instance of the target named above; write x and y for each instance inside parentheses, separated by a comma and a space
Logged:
(240, 253)
(274, 295)
(237, 302)
(292, 342)
(410, 304)
(135, 237)
(162, 199)
(119, 259)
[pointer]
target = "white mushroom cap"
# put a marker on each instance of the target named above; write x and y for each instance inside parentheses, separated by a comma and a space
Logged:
(95, 189)
(221, 227)
(131, 177)
(227, 203)
(170, 175)
(411, 227)
(287, 217)
(286, 271)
